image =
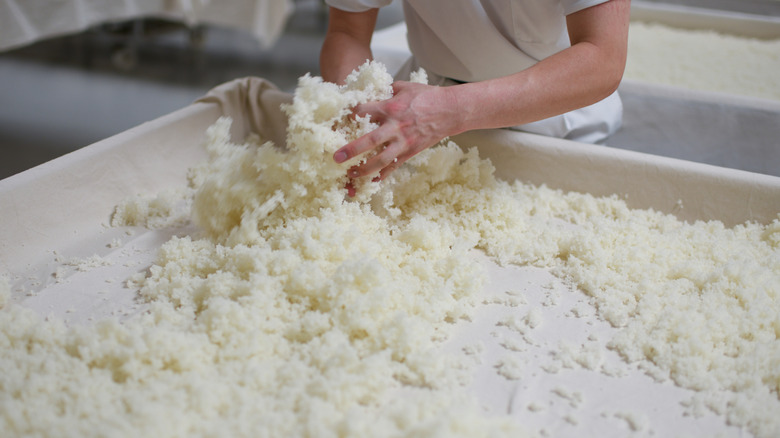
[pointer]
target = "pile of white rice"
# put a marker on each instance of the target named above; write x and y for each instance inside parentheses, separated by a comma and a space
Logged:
(703, 60)
(298, 312)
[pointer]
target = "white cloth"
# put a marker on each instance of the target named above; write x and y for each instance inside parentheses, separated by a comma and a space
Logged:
(27, 21)
(474, 40)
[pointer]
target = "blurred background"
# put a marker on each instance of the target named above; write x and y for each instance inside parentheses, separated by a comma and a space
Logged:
(65, 91)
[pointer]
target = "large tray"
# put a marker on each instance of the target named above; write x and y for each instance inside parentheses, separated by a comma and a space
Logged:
(55, 217)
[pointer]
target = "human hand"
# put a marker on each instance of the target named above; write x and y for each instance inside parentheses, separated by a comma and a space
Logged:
(416, 117)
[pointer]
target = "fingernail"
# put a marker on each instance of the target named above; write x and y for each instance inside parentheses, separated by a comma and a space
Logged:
(340, 157)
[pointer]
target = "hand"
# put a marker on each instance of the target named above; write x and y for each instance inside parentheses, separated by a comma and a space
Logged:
(416, 117)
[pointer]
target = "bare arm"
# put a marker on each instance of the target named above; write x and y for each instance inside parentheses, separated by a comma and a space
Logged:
(347, 43)
(588, 71)
(418, 116)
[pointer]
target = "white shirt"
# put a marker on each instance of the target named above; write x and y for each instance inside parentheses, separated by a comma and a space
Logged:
(474, 40)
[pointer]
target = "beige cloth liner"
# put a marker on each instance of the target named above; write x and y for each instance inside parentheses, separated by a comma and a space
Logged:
(253, 104)
(63, 202)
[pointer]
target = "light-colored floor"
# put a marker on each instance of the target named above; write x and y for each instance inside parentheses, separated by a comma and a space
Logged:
(62, 94)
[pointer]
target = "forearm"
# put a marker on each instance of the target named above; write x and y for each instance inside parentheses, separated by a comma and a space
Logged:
(347, 43)
(564, 82)
(340, 55)
(583, 74)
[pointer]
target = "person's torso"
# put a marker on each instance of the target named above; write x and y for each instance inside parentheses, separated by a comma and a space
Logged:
(473, 40)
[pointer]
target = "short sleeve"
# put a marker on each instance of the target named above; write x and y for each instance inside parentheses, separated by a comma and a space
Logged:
(357, 5)
(572, 6)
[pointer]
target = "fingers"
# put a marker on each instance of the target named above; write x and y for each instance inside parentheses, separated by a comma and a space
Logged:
(351, 191)
(387, 155)
(374, 139)
(390, 146)
(391, 152)
(365, 143)
(371, 109)
(397, 162)
(360, 146)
